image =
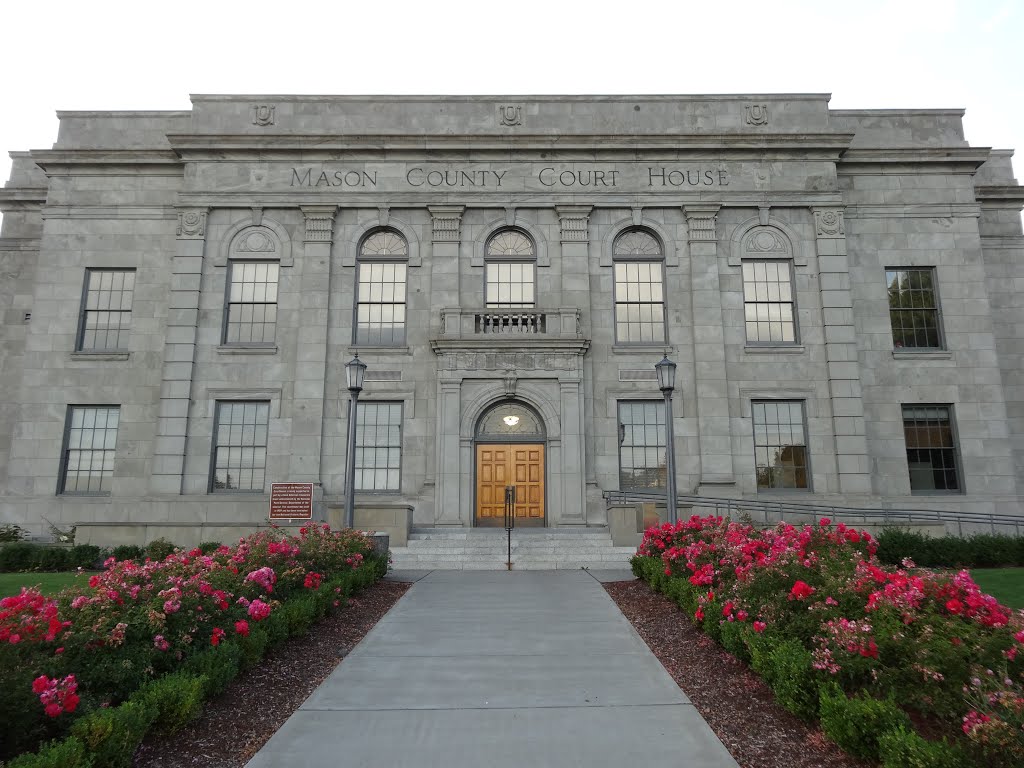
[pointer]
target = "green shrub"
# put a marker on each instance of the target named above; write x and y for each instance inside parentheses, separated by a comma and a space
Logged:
(733, 641)
(127, 552)
(253, 646)
(982, 550)
(857, 723)
(209, 547)
(111, 735)
(83, 556)
(17, 557)
(759, 649)
(176, 699)
(158, 549)
(51, 559)
(11, 532)
(219, 666)
(903, 748)
(69, 753)
(299, 613)
(793, 680)
(20, 726)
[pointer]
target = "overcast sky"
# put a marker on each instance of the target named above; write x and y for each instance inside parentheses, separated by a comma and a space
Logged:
(868, 54)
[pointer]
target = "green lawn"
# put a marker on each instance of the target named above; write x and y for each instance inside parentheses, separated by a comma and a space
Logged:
(49, 583)
(1004, 584)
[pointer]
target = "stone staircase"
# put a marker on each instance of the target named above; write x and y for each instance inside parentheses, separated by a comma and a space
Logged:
(532, 549)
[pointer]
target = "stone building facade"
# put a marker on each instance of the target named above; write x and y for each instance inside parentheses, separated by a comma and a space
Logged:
(842, 291)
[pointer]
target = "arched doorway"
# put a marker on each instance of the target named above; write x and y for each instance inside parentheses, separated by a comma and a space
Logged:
(510, 442)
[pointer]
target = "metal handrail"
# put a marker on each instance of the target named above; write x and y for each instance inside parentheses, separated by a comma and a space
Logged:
(780, 508)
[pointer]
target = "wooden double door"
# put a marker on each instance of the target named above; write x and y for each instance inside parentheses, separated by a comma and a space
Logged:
(498, 466)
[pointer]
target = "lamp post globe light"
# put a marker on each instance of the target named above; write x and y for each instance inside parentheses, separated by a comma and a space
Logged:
(355, 371)
(667, 383)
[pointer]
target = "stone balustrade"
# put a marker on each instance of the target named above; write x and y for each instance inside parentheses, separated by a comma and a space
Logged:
(561, 323)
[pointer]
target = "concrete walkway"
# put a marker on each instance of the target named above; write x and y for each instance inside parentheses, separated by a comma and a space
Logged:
(496, 669)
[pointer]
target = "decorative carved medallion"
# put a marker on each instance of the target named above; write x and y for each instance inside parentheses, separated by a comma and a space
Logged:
(829, 223)
(255, 241)
(511, 114)
(263, 114)
(191, 225)
(757, 114)
(764, 241)
(447, 222)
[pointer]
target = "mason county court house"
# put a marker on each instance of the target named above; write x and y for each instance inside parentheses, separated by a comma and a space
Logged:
(842, 291)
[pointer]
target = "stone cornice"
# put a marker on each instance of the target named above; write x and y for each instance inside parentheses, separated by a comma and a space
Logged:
(510, 344)
(56, 161)
(944, 159)
(203, 146)
(22, 198)
(1000, 194)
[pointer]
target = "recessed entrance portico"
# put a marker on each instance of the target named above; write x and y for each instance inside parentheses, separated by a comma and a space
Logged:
(509, 452)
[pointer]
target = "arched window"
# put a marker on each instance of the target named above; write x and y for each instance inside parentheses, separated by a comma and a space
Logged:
(769, 303)
(380, 289)
(639, 288)
(510, 420)
(510, 271)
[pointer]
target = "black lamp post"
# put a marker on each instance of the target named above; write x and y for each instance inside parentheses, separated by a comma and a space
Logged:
(355, 370)
(667, 383)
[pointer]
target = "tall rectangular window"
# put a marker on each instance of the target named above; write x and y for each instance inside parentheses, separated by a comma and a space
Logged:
(639, 302)
(780, 444)
(642, 440)
(913, 308)
(510, 285)
(240, 445)
(88, 456)
(379, 447)
(768, 302)
(106, 310)
(931, 449)
(380, 307)
(252, 302)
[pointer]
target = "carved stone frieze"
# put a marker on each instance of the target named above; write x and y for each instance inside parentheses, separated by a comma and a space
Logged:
(191, 224)
(828, 222)
(510, 361)
(319, 222)
(574, 219)
(447, 220)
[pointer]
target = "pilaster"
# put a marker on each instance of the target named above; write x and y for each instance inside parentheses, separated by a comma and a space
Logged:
(841, 352)
(452, 465)
(712, 392)
(179, 352)
(311, 346)
(444, 263)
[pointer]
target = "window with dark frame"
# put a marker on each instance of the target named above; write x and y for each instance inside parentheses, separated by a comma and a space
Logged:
(913, 308)
(768, 304)
(252, 302)
(106, 310)
(379, 447)
(639, 288)
(240, 445)
(931, 449)
(780, 445)
(87, 460)
(510, 272)
(381, 290)
(642, 441)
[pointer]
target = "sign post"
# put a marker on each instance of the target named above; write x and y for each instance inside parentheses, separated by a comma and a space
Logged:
(291, 501)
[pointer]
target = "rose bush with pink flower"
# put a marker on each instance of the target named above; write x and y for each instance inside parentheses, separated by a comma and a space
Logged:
(916, 635)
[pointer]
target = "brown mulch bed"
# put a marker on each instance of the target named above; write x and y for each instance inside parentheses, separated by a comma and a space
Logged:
(734, 701)
(237, 723)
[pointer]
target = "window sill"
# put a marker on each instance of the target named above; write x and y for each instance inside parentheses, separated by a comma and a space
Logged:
(924, 354)
(640, 349)
(84, 355)
(768, 349)
(354, 348)
(228, 349)
(784, 491)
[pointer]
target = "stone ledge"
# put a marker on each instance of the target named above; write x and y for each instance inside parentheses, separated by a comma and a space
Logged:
(228, 349)
(82, 355)
(925, 354)
(789, 349)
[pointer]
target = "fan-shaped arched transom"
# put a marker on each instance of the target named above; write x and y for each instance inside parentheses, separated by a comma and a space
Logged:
(510, 243)
(384, 243)
(511, 419)
(637, 242)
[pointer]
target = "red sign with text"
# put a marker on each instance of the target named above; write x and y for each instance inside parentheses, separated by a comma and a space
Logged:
(291, 501)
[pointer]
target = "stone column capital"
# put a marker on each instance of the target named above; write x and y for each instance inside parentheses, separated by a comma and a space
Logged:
(319, 222)
(700, 220)
(447, 222)
(828, 223)
(192, 223)
(574, 219)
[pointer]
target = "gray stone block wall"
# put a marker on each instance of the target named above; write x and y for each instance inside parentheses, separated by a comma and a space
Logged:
(169, 193)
